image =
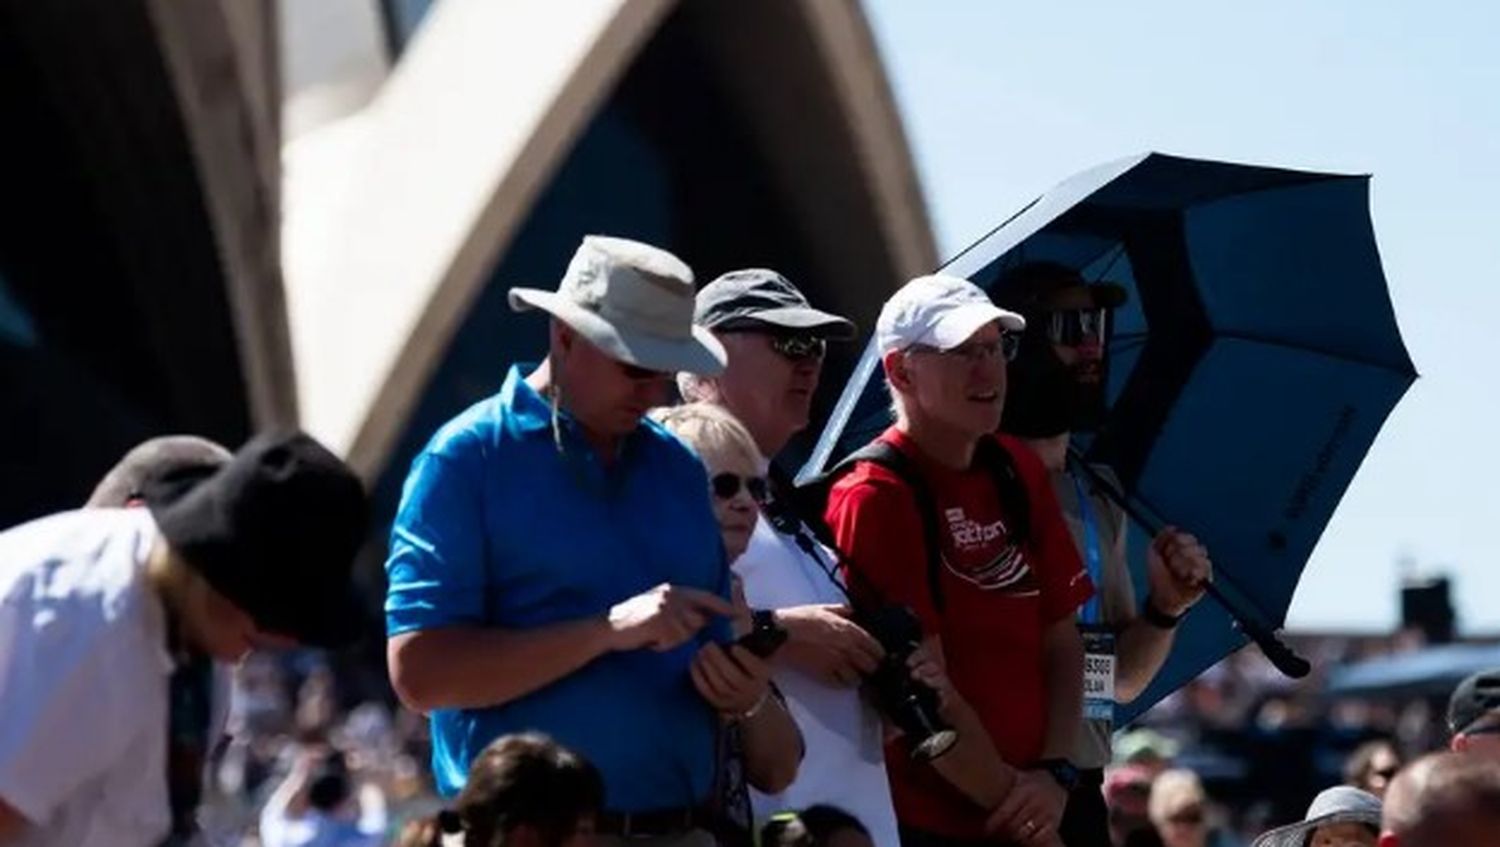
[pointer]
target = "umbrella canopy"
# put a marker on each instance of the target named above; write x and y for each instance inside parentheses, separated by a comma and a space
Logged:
(1249, 370)
(1430, 672)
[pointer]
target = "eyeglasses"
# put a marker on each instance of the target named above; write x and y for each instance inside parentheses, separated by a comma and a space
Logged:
(1070, 328)
(799, 347)
(975, 352)
(1487, 729)
(727, 485)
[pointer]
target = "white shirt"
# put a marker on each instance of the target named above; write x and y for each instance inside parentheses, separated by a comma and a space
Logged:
(83, 681)
(316, 829)
(844, 765)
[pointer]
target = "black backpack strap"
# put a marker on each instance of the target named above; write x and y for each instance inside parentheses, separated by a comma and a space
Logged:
(1009, 487)
(887, 456)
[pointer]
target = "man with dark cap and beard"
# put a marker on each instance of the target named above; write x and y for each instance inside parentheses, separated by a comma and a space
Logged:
(1057, 384)
(111, 622)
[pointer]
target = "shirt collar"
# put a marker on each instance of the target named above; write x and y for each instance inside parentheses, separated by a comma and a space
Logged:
(526, 411)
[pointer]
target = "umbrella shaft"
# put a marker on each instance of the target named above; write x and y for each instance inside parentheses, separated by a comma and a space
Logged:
(1275, 650)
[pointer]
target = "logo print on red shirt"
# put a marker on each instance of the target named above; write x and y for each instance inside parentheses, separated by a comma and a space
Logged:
(1003, 566)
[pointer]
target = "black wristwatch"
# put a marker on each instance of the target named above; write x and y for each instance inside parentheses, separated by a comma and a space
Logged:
(1061, 771)
(765, 636)
(1156, 617)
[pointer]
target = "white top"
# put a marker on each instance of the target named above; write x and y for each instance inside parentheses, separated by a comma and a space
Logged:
(316, 829)
(83, 681)
(844, 765)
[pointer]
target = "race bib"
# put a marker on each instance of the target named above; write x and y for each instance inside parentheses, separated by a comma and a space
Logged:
(1098, 674)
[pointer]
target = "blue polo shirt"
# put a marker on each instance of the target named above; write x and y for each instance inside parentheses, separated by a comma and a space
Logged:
(498, 527)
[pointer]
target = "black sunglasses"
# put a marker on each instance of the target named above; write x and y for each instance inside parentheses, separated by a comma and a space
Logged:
(1072, 327)
(799, 347)
(727, 485)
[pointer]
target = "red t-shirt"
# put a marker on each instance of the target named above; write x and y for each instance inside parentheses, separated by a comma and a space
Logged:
(998, 600)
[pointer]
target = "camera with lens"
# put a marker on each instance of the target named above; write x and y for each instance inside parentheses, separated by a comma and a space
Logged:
(911, 705)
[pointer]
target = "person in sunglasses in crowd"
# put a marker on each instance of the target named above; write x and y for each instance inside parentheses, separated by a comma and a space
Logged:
(753, 750)
(998, 595)
(555, 564)
(1056, 389)
(1179, 814)
(1474, 715)
(776, 342)
(1372, 766)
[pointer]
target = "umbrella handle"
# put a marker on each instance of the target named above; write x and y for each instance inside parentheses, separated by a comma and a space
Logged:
(1276, 651)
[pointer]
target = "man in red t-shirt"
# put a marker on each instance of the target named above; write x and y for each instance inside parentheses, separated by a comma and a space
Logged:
(1005, 630)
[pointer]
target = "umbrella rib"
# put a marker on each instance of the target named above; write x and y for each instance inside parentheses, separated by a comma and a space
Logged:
(1317, 351)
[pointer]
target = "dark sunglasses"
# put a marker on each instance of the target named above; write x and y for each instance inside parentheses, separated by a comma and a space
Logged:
(799, 347)
(727, 485)
(1071, 328)
(975, 352)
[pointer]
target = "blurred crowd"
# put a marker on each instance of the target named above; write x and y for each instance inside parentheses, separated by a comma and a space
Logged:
(293, 724)
(1233, 754)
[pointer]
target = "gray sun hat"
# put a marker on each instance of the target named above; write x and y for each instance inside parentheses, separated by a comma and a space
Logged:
(634, 302)
(1340, 804)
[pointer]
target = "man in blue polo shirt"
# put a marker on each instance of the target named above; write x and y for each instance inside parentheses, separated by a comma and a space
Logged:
(555, 564)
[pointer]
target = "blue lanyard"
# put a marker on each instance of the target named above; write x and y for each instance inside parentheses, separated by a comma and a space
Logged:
(1092, 557)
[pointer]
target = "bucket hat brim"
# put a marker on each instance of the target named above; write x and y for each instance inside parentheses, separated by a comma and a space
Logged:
(1295, 834)
(699, 354)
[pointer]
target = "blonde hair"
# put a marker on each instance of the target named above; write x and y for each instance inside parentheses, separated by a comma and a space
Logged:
(709, 428)
(696, 388)
(180, 585)
(1172, 791)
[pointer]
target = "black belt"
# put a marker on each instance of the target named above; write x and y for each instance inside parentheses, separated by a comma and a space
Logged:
(654, 823)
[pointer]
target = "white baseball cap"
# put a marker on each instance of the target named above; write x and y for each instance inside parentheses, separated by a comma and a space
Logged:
(938, 311)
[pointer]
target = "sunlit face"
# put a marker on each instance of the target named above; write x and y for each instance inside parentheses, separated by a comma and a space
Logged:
(771, 392)
(1383, 767)
(733, 474)
(962, 389)
(1186, 826)
(1343, 835)
(607, 397)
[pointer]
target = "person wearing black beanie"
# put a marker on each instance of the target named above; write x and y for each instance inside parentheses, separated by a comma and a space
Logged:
(112, 621)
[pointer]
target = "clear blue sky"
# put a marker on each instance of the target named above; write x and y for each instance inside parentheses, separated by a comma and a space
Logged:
(1003, 99)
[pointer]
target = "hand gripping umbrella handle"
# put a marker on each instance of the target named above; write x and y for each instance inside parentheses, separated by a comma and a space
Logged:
(1276, 651)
